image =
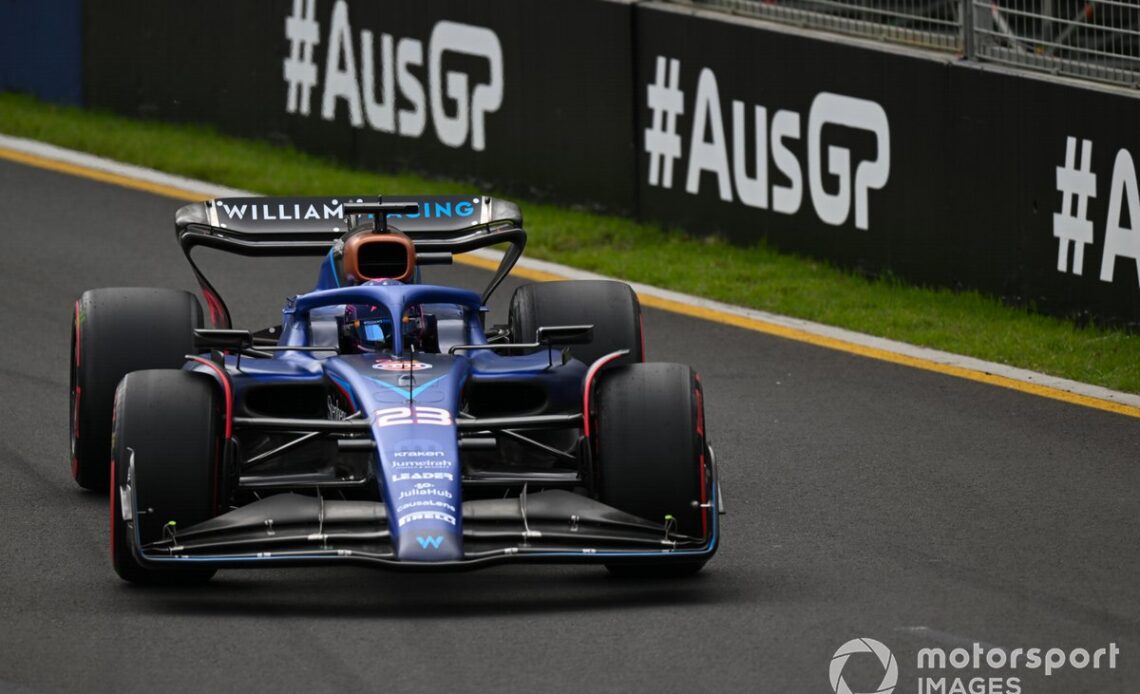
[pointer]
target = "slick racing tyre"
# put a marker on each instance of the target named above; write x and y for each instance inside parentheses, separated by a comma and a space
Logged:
(650, 454)
(611, 307)
(168, 430)
(113, 332)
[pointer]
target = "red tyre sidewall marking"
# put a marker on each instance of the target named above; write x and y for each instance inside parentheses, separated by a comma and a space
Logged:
(700, 402)
(224, 379)
(216, 308)
(78, 335)
(229, 396)
(588, 386)
(75, 435)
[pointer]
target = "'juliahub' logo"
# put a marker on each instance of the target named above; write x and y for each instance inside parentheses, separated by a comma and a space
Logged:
(988, 668)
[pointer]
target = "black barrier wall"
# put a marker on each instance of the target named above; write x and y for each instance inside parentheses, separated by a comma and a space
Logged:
(534, 97)
(935, 169)
(886, 160)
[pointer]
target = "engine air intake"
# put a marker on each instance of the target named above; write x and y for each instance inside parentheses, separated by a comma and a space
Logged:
(370, 256)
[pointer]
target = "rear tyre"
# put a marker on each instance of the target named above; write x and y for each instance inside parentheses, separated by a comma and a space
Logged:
(611, 307)
(650, 454)
(115, 331)
(170, 424)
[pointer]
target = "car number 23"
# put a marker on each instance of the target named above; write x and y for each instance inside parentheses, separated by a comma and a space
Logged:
(395, 416)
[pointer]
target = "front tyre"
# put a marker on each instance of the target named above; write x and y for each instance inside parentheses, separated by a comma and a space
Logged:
(651, 455)
(168, 457)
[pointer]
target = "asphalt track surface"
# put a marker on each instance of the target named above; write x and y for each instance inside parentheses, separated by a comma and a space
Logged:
(864, 498)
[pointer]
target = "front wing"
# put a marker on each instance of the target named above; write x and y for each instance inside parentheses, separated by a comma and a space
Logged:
(552, 526)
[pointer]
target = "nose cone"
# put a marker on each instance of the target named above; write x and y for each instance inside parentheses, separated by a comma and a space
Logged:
(412, 403)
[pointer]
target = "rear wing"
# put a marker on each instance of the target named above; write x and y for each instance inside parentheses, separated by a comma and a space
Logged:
(439, 227)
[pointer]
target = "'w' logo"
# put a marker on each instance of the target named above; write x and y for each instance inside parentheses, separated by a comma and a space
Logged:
(435, 542)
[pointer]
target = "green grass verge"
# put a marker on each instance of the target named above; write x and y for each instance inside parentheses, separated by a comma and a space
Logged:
(961, 322)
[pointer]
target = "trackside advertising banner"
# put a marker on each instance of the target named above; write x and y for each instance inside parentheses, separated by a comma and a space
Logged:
(533, 97)
(881, 159)
(939, 171)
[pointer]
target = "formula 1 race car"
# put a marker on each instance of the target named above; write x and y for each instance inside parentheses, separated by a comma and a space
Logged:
(382, 423)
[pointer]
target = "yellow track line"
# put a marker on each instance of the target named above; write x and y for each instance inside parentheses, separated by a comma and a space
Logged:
(703, 313)
(102, 176)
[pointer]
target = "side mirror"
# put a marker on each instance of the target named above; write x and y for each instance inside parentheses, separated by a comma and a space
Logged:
(206, 340)
(565, 334)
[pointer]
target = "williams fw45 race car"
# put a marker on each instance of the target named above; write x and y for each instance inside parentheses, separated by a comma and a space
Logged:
(382, 423)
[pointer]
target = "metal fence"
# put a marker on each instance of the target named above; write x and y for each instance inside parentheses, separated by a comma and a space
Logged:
(1092, 39)
(933, 23)
(1098, 39)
